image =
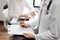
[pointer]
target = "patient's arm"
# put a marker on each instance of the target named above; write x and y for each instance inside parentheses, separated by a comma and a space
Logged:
(31, 9)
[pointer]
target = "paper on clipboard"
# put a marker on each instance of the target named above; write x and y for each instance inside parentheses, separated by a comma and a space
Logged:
(17, 30)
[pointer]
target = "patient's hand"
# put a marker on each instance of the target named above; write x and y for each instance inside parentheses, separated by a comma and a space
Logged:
(25, 15)
(22, 24)
(28, 16)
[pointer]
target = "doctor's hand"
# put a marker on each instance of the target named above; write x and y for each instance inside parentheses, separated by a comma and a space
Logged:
(28, 35)
(22, 24)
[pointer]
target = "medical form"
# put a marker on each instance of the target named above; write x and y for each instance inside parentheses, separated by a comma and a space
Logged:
(18, 30)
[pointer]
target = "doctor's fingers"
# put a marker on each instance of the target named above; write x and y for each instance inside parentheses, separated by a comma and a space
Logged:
(28, 35)
(24, 25)
(21, 22)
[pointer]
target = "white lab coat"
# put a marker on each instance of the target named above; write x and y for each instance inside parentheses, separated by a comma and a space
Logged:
(48, 29)
(57, 12)
(18, 7)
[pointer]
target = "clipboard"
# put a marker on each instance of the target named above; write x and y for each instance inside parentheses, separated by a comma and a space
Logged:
(18, 30)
